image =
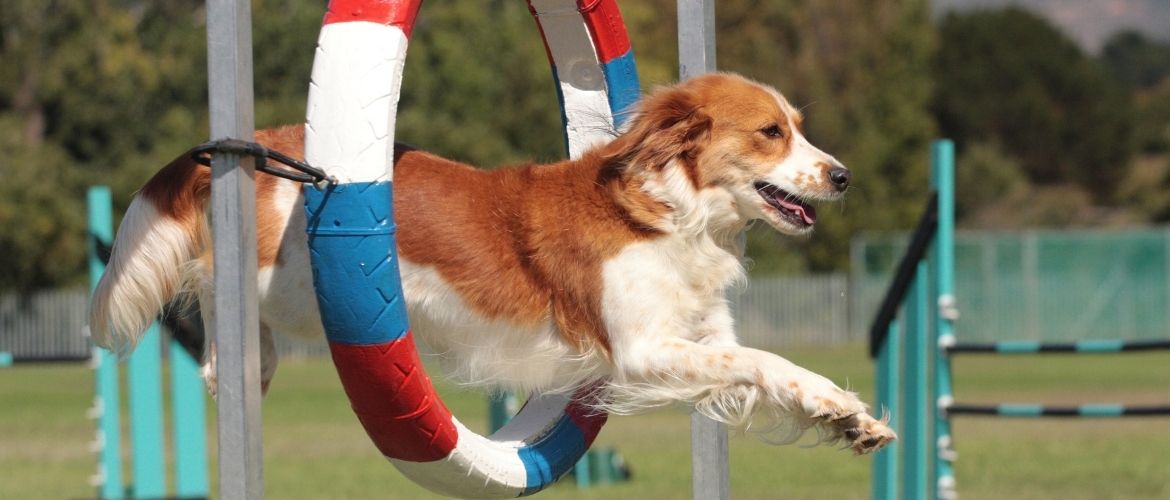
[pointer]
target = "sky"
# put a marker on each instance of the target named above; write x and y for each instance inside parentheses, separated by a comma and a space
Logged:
(1089, 22)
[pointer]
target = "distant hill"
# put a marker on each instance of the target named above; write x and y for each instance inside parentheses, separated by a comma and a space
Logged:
(1089, 22)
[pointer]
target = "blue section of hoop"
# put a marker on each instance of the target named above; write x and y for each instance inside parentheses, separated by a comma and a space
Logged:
(561, 104)
(622, 87)
(553, 455)
(355, 265)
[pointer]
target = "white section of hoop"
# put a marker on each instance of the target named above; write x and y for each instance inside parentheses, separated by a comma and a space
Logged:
(489, 467)
(353, 100)
(476, 468)
(582, 81)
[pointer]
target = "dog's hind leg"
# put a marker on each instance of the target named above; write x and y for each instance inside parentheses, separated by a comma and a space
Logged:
(208, 370)
(268, 358)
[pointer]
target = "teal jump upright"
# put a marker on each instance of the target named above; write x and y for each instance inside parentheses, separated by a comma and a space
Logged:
(146, 432)
(918, 392)
(943, 178)
(908, 350)
(107, 403)
(916, 423)
(144, 383)
(188, 419)
(889, 402)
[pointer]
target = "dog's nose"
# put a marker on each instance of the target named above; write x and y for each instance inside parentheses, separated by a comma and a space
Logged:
(839, 176)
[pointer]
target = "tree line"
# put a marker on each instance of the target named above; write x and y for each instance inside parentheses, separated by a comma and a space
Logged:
(107, 91)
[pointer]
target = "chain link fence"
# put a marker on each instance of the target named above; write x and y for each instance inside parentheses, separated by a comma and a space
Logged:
(1038, 285)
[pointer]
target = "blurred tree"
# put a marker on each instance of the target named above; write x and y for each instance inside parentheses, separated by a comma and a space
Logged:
(1009, 77)
(477, 85)
(103, 92)
(70, 93)
(987, 176)
(42, 219)
(107, 91)
(1144, 66)
(1136, 60)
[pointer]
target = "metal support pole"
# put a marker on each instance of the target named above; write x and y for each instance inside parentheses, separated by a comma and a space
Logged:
(711, 475)
(233, 208)
(696, 37)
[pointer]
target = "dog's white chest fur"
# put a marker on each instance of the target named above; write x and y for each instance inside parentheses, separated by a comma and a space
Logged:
(673, 286)
(479, 351)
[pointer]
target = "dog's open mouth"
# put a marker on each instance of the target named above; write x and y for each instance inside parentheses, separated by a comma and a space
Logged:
(790, 208)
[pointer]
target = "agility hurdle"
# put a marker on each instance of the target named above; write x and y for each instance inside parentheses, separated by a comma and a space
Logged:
(147, 445)
(233, 208)
(913, 356)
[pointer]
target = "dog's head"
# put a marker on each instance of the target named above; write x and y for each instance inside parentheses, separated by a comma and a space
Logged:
(728, 133)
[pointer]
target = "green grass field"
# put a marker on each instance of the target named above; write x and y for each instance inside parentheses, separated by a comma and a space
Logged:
(314, 447)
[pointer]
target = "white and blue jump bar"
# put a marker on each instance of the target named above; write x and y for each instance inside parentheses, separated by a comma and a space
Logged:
(349, 133)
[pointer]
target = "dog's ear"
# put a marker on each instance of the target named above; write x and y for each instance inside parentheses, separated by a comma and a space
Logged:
(669, 124)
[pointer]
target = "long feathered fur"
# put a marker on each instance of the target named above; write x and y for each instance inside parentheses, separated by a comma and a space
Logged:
(157, 244)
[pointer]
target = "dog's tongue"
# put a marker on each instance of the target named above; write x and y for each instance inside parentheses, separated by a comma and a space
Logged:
(807, 212)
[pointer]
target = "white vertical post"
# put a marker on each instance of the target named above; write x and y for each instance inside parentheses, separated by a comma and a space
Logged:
(710, 473)
(233, 208)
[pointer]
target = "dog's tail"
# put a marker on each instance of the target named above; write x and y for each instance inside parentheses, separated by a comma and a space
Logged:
(162, 235)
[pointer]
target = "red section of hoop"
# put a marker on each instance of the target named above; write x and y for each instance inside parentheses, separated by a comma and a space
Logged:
(400, 13)
(588, 419)
(394, 399)
(604, 20)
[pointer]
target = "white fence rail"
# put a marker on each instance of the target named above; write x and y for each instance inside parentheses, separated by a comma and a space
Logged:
(44, 324)
(771, 313)
(794, 311)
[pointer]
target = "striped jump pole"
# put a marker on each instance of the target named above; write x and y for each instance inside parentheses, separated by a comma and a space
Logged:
(1034, 347)
(353, 99)
(1030, 410)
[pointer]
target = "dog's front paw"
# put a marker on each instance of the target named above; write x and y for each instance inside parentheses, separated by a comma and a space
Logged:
(824, 401)
(864, 433)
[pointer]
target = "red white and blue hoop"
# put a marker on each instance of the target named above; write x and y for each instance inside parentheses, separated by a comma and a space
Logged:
(353, 99)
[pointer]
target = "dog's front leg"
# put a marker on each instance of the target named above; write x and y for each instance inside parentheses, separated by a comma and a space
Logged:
(734, 384)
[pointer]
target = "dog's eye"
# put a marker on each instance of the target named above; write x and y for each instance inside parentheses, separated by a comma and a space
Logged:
(773, 131)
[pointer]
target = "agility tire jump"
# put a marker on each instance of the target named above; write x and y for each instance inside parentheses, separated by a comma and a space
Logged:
(353, 100)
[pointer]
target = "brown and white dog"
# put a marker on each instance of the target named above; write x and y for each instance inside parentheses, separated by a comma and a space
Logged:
(613, 266)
